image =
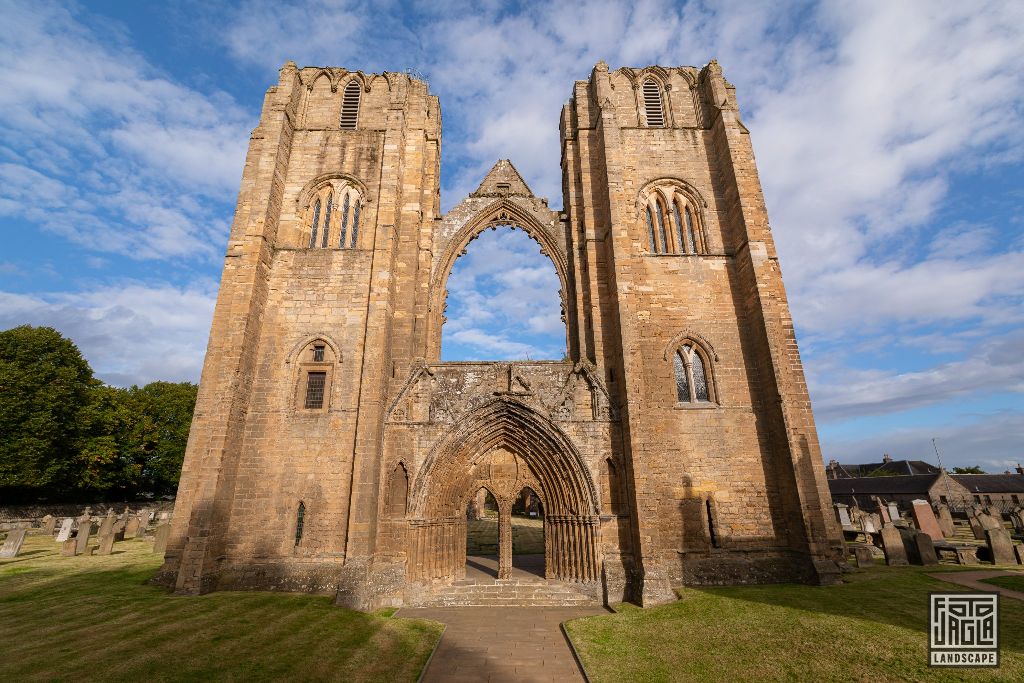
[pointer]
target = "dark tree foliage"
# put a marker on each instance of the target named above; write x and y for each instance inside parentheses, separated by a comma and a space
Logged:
(65, 435)
(973, 469)
(44, 384)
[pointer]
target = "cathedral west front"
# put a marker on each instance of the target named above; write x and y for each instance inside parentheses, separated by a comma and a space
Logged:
(332, 450)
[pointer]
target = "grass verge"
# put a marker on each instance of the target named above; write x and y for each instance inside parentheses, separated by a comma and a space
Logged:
(873, 627)
(1014, 583)
(94, 618)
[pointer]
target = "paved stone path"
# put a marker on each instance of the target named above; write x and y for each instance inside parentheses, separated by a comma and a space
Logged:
(521, 644)
(973, 580)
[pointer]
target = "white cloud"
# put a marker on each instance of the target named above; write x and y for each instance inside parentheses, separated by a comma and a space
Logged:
(106, 150)
(131, 333)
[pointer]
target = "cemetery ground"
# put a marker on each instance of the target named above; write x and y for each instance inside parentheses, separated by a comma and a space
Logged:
(1014, 583)
(93, 618)
(874, 626)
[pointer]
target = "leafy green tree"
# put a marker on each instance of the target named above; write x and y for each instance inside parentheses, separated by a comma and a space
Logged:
(109, 459)
(166, 410)
(973, 469)
(44, 382)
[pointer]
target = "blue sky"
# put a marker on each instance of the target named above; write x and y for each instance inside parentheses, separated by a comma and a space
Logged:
(889, 139)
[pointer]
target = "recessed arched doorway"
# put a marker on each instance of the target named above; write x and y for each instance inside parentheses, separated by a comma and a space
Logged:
(505, 447)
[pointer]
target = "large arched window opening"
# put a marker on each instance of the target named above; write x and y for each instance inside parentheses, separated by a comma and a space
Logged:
(503, 301)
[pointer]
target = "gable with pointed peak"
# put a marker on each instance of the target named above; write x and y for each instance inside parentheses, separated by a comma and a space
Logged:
(503, 180)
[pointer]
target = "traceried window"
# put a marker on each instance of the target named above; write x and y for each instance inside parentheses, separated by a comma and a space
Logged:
(653, 104)
(350, 106)
(318, 353)
(335, 205)
(315, 382)
(693, 383)
(672, 221)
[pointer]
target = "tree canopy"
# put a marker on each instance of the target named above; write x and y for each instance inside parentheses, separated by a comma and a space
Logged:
(66, 435)
(973, 469)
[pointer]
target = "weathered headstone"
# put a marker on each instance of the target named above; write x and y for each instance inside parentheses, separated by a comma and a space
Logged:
(967, 555)
(1017, 519)
(107, 525)
(69, 547)
(131, 527)
(84, 531)
(1000, 546)
(65, 530)
(160, 542)
(143, 523)
(863, 556)
(12, 546)
(925, 520)
(883, 513)
(909, 543)
(843, 515)
(49, 521)
(867, 524)
(989, 522)
(164, 516)
(976, 528)
(946, 521)
(925, 548)
(106, 544)
(892, 546)
(894, 512)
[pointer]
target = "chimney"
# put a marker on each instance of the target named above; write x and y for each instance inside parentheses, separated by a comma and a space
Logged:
(1020, 470)
(886, 458)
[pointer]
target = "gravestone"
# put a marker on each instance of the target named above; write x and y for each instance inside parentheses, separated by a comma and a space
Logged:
(131, 527)
(1000, 547)
(976, 528)
(1017, 520)
(143, 522)
(946, 521)
(69, 548)
(1018, 550)
(107, 525)
(910, 544)
(863, 556)
(925, 548)
(118, 533)
(925, 520)
(967, 555)
(160, 541)
(65, 530)
(164, 516)
(106, 544)
(883, 513)
(892, 546)
(867, 524)
(11, 547)
(84, 531)
(989, 522)
(843, 515)
(894, 512)
(49, 521)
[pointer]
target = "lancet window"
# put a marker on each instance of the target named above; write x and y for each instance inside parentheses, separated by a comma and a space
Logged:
(692, 373)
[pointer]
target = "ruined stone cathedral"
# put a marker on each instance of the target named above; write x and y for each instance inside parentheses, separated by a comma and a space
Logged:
(333, 451)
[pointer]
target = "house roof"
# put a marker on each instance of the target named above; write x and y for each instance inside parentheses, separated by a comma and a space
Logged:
(991, 483)
(901, 484)
(894, 467)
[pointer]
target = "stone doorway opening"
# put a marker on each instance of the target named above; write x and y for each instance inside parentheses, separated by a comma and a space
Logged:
(528, 533)
(482, 535)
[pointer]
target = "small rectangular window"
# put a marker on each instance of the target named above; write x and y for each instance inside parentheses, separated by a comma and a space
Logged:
(1016, 499)
(988, 500)
(318, 354)
(977, 499)
(315, 389)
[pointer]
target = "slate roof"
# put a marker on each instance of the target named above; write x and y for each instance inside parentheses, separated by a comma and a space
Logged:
(906, 484)
(894, 467)
(991, 483)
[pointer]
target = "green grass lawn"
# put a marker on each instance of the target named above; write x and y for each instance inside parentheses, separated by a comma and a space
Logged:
(94, 618)
(871, 628)
(1014, 583)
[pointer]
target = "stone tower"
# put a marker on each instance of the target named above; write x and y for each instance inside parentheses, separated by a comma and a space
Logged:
(332, 450)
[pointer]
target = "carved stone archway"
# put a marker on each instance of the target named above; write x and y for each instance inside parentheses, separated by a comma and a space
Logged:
(504, 446)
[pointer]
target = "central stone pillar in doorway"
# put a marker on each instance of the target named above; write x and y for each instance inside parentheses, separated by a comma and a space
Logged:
(504, 539)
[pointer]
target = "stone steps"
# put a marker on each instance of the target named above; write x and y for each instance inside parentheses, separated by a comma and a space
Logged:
(509, 593)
